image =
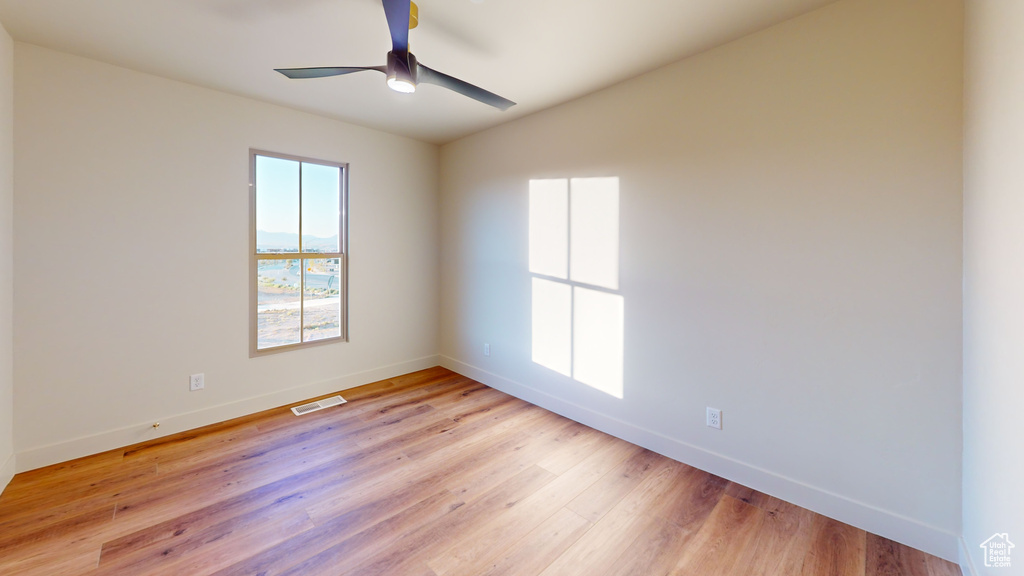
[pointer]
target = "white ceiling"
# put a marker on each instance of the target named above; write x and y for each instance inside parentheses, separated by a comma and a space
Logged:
(538, 53)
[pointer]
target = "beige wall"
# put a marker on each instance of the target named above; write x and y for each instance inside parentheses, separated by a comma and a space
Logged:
(132, 210)
(790, 253)
(994, 279)
(6, 258)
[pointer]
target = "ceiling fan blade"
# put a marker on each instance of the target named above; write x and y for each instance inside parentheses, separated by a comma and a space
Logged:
(397, 12)
(323, 72)
(431, 76)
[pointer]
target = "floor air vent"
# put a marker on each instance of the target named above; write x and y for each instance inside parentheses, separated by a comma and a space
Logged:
(318, 405)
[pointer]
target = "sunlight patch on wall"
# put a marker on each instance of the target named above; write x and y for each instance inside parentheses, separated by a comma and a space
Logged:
(549, 227)
(595, 232)
(578, 319)
(552, 325)
(597, 346)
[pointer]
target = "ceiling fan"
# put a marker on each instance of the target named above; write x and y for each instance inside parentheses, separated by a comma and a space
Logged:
(402, 69)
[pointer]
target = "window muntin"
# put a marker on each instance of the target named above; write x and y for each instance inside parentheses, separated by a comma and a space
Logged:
(298, 250)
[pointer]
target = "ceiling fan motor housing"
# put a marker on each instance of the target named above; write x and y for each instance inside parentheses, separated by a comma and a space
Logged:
(402, 70)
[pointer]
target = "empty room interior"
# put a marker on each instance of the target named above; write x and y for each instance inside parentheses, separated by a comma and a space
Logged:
(728, 287)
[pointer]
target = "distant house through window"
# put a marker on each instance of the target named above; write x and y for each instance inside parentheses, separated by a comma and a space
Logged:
(577, 312)
(298, 251)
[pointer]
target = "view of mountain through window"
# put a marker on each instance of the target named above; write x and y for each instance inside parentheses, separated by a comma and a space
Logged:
(299, 219)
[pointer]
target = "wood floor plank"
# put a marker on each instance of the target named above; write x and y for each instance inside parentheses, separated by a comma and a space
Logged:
(409, 552)
(483, 406)
(471, 554)
(359, 400)
(483, 464)
(77, 558)
(380, 540)
(416, 379)
(25, 538)
(260, 461)
(388, 429)
(312, 483)
(601, 496)
(784, 539)
(698, 494)
(682, 510)
(200, 441)
(28, 484)
(888, 558)
(748, 495)
(725, 543)
(425, 471)
(291, 491)
(502, 418)
(306, 430)
(837, 549)
(521, 451)
(302, 549)
(574, 449)
(224, 480)
(71, 513)
(104, 484)
(538, 549)
(939, 567)
(44, 522)
(438, 394)
(180, 548)
(632, 518)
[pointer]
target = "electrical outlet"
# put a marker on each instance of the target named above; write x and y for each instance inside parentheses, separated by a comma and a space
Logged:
(714, 418)
(196, 382)
(487, 349)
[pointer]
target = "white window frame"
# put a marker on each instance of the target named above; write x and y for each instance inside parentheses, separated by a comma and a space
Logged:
(255, 257)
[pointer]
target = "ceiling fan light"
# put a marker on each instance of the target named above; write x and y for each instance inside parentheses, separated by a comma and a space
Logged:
(401, 85)
(402, 72)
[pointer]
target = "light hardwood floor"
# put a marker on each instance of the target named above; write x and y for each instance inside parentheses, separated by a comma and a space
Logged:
(429, 474)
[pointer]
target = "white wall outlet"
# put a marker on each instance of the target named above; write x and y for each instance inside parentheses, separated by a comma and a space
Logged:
(714, 418)
(196, 382)
(487, 349)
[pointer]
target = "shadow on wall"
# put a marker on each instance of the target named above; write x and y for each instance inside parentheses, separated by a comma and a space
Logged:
(578, 316)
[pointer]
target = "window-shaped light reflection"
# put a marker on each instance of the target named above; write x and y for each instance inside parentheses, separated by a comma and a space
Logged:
(595, 232)
(549, 227)
(574, 239)
(552, 325)
(598, 322)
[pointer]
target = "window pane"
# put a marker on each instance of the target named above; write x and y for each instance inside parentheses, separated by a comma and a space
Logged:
(549, 227)
(321, 210)
(597, 327)
(552, 325)
(322, 306)
(277, 302)
(595, 232)
(277, 205)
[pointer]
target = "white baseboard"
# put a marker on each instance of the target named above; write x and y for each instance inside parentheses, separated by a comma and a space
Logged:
(84, 446)
(7, 472)
(966, 564)
(890, 525)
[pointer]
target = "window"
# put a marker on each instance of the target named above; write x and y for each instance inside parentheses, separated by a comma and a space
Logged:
(298, 243)
(577, 313)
